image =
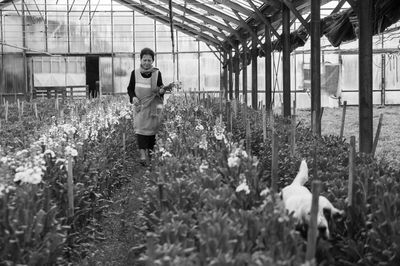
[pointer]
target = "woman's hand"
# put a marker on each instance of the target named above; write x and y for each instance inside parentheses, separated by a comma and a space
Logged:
(136, 103)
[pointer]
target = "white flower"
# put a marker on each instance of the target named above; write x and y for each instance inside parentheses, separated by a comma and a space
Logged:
(52, 154)
(265, 192)
(199, 127)
(203, 166)
(233, 161)
(178, 119)
(255, 161)
(30, 175)
(70, 151)
(243, 187)
(203, 144)
(173, 135)
(4, 159)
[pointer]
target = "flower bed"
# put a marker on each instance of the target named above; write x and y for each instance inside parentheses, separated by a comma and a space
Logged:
(37, 225)
(209, 204)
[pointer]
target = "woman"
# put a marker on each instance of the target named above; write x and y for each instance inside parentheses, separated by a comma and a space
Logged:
(146, 92)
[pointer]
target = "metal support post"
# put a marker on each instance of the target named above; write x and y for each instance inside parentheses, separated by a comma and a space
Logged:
(316, 63)
(268, 68)
(286, 60)
(365, 75)
(254, 71)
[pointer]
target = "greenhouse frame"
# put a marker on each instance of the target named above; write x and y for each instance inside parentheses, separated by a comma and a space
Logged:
(256, 50)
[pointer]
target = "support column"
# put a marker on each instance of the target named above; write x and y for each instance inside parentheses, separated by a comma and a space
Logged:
(237, 70)
(365, 13)
(24, 60)
(286, 60)
(112, 48)
(224, 83)
(316, 64)
(230, 72)
(254, 71)
(244, 72)
(46, 27)
(268, 68)
(68, 37)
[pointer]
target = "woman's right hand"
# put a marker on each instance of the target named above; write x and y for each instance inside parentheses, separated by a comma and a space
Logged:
(136, 103)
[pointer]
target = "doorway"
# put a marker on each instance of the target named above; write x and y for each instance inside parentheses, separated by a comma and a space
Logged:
(92, 75)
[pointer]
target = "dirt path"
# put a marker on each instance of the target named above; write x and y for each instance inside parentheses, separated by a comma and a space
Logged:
(121, 223)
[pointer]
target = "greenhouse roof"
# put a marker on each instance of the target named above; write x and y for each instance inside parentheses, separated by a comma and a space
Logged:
(221, 22)
(227, 23)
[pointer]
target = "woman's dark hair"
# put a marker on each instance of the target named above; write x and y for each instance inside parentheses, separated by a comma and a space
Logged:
(147, 51)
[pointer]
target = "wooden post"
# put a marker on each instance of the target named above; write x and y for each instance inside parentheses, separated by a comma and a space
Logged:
(312, 229)
(70, 184)
(351, 170)
(294, 107)
(123, 141)
(343, 118)
(161, 196)
(35, 110)
(6, 111)
(293, 136)
(264, 123)
(248, 136)
(19, 110)
(378, 132)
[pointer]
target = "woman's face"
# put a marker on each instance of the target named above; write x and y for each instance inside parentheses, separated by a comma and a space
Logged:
(146, 61)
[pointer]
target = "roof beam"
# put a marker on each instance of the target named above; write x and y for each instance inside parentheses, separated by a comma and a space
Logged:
(249, 29)
(192, 22)
(199, 16)
(297, 14)
(339, 6)
(263, 19)
(162, 18)
(213, 11)
(353, 4)
(236, 7)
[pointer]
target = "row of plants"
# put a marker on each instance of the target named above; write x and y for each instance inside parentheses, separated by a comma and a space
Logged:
(36, 227)
(210, 202)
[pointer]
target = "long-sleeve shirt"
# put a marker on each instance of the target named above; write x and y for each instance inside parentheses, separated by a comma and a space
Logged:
(132, 82)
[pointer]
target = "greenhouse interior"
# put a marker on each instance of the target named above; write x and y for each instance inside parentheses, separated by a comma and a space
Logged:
(268, 135)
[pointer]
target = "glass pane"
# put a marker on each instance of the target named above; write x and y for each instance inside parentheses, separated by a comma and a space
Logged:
(144, 32)
(12, 31)
(123, 67)
(164, 42)
(35, 30)
(105, 75)
(123, 31)
(188, 66)
(101, 32)
(186, 43)
(13, 73)
(57, 26)
(166, 66)
(79, 28)
(209, 72)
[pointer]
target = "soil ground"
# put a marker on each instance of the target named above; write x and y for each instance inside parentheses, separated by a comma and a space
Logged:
(388, 147)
